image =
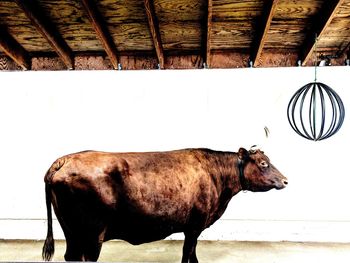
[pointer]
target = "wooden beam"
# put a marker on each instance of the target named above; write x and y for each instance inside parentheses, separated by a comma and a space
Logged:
(261, 33)
(101, 30)
(47, 30)
(321, 22)
(207, 33)
(13, 49)
(344, 51)
(155, 32)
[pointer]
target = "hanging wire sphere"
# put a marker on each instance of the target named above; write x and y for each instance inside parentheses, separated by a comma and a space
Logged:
(316, 112)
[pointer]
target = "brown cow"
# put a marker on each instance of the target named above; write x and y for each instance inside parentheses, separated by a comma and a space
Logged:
(144, 197)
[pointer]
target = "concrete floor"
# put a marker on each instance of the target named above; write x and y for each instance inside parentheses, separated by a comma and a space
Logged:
(207, 251)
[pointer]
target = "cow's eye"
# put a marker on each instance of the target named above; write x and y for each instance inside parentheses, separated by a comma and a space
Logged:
(264, 164)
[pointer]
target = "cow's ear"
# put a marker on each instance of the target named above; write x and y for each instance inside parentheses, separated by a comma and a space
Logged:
(243, 154)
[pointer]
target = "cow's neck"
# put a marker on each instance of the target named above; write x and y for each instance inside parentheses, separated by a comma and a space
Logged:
(224, 169)
(229, 173)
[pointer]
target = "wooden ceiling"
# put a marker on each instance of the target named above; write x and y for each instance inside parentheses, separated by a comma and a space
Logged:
(171, 34)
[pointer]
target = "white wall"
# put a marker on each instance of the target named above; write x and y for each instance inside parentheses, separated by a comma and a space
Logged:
(44, 115)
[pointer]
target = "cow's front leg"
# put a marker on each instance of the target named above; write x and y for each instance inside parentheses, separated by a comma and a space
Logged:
(189, 248)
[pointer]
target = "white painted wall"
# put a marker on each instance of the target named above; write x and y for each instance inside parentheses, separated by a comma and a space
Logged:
(44, 115)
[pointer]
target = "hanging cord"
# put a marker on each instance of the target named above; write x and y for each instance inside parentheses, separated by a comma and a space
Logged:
(315, 55)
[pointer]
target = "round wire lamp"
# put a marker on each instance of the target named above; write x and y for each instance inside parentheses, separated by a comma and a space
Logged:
(316, 111)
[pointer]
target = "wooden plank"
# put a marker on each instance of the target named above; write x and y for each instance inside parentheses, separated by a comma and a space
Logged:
(288, 35)
(232, 35)
(183, 10)
(121, 12)
(81, 37)
(261, 33)
(278, 58)
(13, 49)
(343, 52)
(184, 35)
(127, 24)
(321, 23)
(292, 10)
(133, 62)
(47, 29)
(184, 62)
(47, 63)
(154, 29)
(73, 24)
(132, 37)
(229, 59)
(7, 63)
(29, 38)
(236, 10)
(207, 33)
(18, 25)
(101, 30)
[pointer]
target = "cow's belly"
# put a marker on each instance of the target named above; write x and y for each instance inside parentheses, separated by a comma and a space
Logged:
(137, 229)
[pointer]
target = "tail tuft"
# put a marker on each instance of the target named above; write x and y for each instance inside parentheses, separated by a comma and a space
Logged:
(48, 248)
(49, 245)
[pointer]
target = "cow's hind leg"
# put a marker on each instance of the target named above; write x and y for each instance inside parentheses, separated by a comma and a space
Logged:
(189, 248)
(74, 250)
(92, 251)
(84, 248)
(92, 248)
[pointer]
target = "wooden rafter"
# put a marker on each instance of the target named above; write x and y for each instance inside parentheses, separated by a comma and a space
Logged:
(268, 14)
(155, 32)
(343, 51)
(207, 33)
(13, 49)
(321, 23)
(101, 30)
(48, 31)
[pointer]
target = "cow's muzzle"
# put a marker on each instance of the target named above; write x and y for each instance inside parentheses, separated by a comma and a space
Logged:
(282, 184)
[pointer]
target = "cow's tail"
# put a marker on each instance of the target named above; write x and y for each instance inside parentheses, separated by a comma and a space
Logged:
(49, 245)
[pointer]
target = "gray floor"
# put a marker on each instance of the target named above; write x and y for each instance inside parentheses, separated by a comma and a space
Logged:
(207, 251)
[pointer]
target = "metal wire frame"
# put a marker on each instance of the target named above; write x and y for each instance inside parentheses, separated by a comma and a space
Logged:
(318, 97)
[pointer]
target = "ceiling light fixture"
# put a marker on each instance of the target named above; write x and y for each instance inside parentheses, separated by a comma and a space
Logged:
(316, 111)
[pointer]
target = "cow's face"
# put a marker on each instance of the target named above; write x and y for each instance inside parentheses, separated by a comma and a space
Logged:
(260, 175)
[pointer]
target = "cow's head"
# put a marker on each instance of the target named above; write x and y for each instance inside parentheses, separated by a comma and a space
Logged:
(257, 174)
